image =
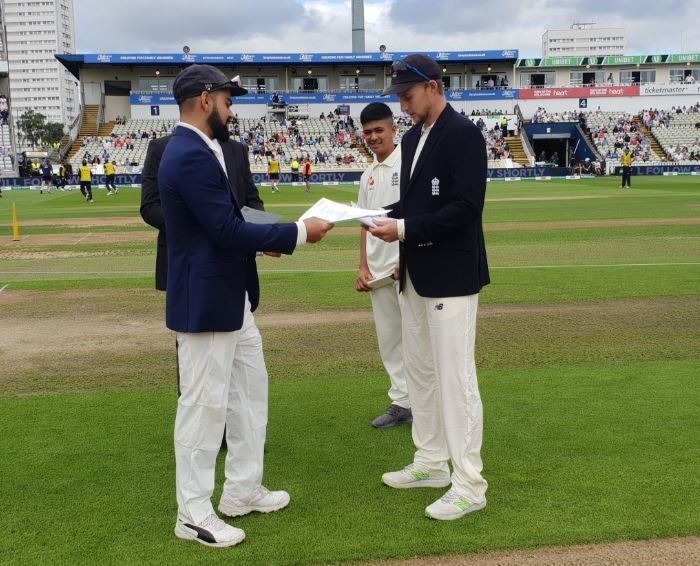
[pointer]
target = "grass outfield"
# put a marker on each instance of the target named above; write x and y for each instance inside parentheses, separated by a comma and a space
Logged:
(588, 365)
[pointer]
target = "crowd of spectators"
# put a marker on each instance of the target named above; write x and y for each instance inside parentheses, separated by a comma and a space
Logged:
(541, 116)
(118, 141)
(662, 118)
(290, 142)
(487, 112)
(618, 132)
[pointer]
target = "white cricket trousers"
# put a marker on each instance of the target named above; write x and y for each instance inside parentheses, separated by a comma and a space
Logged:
(438, 346)
(223, 382)
(387, 321)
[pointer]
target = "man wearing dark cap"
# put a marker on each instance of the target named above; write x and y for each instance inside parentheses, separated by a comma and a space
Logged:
(438, 221)
(211, 293)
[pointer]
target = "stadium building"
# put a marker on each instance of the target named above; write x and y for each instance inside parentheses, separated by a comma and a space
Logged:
(32, 33)
(554, 108)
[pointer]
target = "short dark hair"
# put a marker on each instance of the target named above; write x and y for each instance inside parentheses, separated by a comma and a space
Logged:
(375, 111)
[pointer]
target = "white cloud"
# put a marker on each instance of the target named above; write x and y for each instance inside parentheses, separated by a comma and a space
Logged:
(292, 26)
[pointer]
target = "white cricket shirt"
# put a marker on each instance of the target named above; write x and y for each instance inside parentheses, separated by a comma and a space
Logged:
(379, 186)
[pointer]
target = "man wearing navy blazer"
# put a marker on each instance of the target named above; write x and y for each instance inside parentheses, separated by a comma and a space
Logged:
(209, 299)
(245, 192)
(237, 169)
(438, 221)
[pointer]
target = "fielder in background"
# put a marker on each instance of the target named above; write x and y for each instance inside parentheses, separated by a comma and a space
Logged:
(85, 174)
(379, 186)
(306, 171)
(273, 169)
(627, 160)
(438, 221)
(110, 174)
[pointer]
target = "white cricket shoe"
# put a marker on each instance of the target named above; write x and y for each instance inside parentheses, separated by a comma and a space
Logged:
(210, 532)
(261, 500)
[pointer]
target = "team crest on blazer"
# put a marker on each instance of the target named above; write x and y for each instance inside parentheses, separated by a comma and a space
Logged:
(435, 187)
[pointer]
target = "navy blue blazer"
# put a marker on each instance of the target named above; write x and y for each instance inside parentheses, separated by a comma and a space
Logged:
(240, 178)
(442, 204)
(208, 243)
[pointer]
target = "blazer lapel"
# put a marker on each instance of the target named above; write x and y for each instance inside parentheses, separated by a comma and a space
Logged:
(411, 138)
(433, 138)
(179, 131)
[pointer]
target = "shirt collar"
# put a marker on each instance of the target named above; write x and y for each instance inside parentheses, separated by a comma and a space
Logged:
(391, 160)
(212, 144)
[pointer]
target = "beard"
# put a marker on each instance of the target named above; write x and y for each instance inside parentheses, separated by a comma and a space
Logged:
(219, 128)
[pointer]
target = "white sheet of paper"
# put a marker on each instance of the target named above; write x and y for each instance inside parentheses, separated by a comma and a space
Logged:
(332, 211)
(382, 280)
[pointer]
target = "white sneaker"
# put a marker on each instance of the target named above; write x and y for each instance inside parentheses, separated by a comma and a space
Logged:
(109, 193)
(415, 475)
(452, 506)
(261, 500)
(210, 532)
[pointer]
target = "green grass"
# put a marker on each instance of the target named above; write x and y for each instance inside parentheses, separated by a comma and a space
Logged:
(587, 357)
(573, 454)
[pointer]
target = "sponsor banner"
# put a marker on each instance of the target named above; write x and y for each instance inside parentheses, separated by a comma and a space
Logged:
(120, 180)
(624, 59)
(155, 99)
(681, 58)
(578, 92)
(684, 58)
(289, 58)
(316, 178)
(527, 172)
(482, 94)
(662, 170)
(561, 62)
(669, 90)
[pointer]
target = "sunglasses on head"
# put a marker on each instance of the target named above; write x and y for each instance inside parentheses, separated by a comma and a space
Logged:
(401, 66)
(234, 82)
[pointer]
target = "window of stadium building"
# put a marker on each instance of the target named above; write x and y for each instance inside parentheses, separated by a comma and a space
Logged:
(685, 75)
(534, 80)
(156, 84)
(260, 84)
(358, 83)
(638, 77)
(310, 83)
(586, 78)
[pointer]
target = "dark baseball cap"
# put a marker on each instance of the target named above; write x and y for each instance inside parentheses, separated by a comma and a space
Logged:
(196, 79)
(411, 70)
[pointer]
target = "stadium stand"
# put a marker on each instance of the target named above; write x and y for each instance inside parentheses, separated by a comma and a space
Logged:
(611, 132)
(677, 130)
(126, 143)
(331, 144)
(334, 143)
(6, 162)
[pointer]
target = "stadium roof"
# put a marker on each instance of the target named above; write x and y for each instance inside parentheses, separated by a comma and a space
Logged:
(75, 62)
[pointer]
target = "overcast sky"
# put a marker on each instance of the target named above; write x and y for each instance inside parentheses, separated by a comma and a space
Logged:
(292, 26)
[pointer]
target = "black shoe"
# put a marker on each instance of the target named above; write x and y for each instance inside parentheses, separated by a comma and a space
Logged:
(394, 415)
